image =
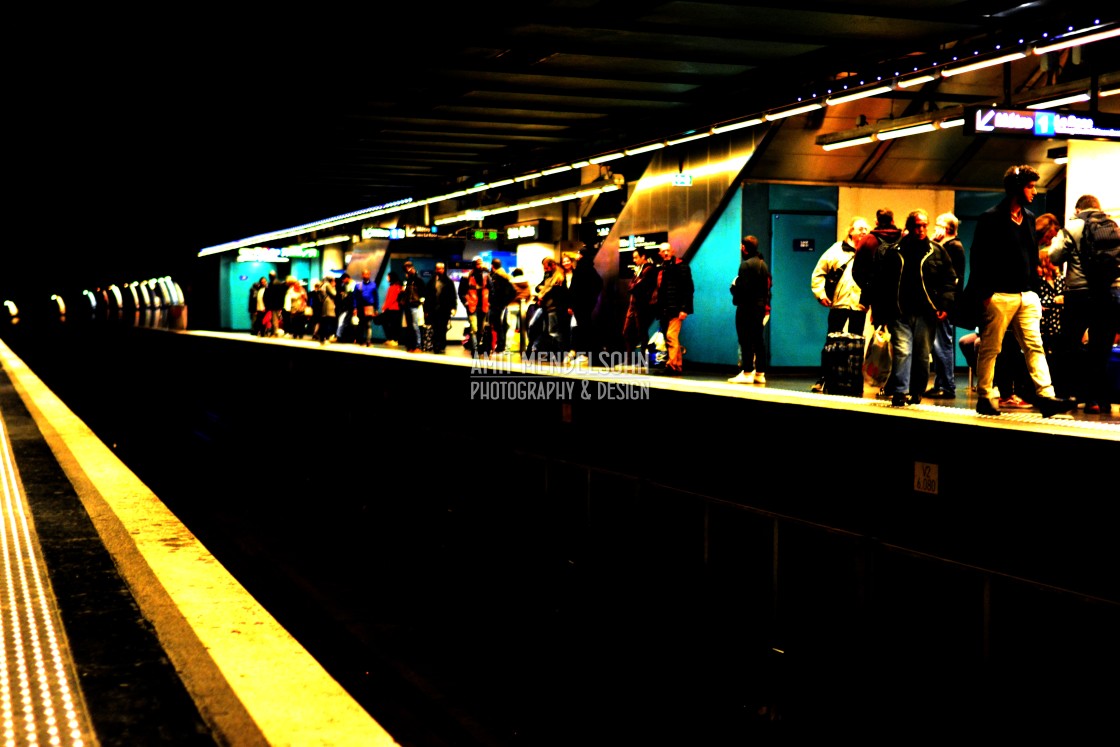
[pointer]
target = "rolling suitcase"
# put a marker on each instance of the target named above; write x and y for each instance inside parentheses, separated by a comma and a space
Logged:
(842, 361)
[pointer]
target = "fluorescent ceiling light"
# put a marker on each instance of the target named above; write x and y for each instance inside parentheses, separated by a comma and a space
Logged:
(1061, 159)
(605, 221)
(608, 157)
(947, 123)
(791, 112)
(1077, 41)
(1059, 102)
(527, 177)
(915, 81)
(689, 138)
(949, 72)
(502, 183)
(855, 95)
(849, 143)
(1110, 92)
(557, 170)
(580, 164)
(643, 149)
(905, 131)
(737, 125)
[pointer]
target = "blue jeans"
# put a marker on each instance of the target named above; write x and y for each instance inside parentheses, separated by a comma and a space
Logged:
(911, 340)
(945, 356)
(414, 317)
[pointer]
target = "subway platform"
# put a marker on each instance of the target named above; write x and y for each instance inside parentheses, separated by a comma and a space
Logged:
(149, 640)
(119, 627)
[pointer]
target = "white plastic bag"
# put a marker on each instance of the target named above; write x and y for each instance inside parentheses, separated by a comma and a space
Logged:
(877, 359)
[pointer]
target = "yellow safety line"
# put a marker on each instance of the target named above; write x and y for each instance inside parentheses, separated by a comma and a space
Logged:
(218, 637)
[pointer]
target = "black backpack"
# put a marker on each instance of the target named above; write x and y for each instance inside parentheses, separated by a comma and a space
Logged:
(1100, 250)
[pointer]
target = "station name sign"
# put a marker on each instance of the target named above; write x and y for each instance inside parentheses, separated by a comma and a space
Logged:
(531, 230)
(401, 232)
(1041, 124)
(276, 254)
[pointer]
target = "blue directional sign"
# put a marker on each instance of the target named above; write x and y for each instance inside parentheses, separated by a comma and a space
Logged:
(1041, 124)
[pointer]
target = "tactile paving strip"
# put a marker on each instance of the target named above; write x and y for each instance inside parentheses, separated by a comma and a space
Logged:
(40, 703)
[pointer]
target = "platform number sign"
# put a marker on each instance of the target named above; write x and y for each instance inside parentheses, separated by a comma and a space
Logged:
(925, 478)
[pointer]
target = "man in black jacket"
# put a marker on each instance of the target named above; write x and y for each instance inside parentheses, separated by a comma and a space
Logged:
(440, 303)
(673, 299)
(910, 286)
(1003, 263)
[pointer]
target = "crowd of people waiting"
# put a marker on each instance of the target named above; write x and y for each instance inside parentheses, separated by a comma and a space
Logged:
(1042, 317)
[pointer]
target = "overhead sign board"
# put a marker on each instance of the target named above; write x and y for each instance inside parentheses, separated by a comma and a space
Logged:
(531, 230)
(1041, 124)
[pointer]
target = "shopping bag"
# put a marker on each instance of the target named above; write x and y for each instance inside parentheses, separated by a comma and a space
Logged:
(877, 359)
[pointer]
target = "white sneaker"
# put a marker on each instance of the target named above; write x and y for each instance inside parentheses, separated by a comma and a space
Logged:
(760, 378)
(742, 378)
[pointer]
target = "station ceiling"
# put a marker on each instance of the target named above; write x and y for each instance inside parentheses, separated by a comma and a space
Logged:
(195, 129)
(477, 96)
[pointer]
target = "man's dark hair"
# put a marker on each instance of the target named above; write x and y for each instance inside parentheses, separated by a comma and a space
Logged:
(496, 263)
(884, 217)
(912, 219)
(751, 243)
(1017, 177)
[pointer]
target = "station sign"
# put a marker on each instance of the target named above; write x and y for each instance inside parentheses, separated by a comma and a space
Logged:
(400, 232)
(530, 230)
(275, 254)
(1040, 123)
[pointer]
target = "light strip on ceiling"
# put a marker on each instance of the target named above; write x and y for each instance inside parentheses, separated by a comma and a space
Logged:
(557, 170)
(849, 143)
(949, 72)
(607, 157)
(856, 95)
(1075, 98)
(907, 131)
(471, 215)
(791, 112)
(643, 149)
(689, 138)
(1078, 41)
(1110, 92)
(955, 122)
(916, 81)
(527, 177)
(737, 125)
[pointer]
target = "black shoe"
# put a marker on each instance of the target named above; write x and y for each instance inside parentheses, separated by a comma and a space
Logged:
(941, 394)
(987, 406)
(1051, 406)
(913, 399)
(900, 400)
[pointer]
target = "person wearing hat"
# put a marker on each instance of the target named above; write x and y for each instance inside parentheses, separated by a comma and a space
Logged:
(1003, 264)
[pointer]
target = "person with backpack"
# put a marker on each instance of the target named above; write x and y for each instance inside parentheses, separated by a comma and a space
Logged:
(1090, 248)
